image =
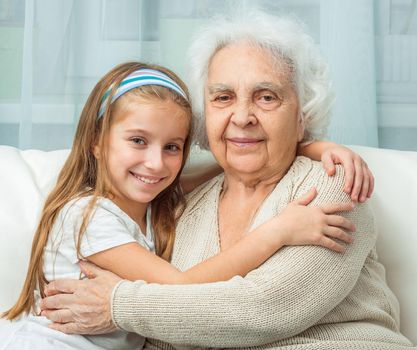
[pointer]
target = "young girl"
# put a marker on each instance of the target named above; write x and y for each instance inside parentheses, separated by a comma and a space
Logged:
(118, 196)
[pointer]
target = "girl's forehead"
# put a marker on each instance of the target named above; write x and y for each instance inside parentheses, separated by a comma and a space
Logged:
(140, 104)
(152, 115)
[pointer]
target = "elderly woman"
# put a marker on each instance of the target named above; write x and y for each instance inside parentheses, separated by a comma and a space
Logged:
(265, 92)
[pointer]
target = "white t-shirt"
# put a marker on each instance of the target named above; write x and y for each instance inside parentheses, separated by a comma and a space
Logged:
(108, 227)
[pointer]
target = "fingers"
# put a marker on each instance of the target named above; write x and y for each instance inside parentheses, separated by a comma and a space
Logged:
(371, 183)
(349, 168)
(359, 181)
(59, 301)
(365, 185)
(331, 244)
(328, 163)
(334, 232)
(332, 208)
(359, 177)
(89, 269)
(363, 181)
(60, 286)
(368, 184)
(68, 328)
(340, 222)
(307, 198)
(58, 316)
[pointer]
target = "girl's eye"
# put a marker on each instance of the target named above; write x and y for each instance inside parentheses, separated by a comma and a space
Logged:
(173, 148)
(138, 140)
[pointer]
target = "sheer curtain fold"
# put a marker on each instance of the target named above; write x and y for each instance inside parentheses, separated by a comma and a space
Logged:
(347, 39)
(68, 45)
(25, 125)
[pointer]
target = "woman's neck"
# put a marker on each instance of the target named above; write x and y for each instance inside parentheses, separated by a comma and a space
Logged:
(250, 184)
(240, 199)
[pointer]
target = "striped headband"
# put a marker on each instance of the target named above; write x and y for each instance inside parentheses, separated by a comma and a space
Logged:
(141, 77)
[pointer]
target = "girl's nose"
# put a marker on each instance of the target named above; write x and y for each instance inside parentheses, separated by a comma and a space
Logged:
(154, 159)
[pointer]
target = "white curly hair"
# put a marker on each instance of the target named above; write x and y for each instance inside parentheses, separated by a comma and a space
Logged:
(289, 44)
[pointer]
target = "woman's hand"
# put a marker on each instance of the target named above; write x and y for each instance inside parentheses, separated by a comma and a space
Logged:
(315, 225)
(81, 306)
(359, 181)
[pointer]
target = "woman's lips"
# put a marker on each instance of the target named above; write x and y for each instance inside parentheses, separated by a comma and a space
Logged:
(243, 141)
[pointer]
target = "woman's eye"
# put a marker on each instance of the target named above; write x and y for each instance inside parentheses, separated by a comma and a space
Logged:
(268, 98)
(222, 98)
(138, 140)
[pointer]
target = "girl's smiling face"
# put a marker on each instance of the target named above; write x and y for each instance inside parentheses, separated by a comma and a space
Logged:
(145, 150)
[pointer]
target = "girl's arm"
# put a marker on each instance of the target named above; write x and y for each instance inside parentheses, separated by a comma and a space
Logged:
(359, 181)
(196, 176)
(298, 224)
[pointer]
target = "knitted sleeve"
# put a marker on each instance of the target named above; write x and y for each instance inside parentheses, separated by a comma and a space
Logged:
(289, 293)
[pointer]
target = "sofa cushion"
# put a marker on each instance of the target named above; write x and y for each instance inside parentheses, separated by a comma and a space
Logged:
(27, 176)
(25, 179)
(395, 207)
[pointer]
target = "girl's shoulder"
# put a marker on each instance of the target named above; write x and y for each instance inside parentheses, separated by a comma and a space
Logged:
(76, 207)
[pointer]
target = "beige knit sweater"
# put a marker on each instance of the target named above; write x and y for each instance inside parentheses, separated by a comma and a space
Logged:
(302, 298)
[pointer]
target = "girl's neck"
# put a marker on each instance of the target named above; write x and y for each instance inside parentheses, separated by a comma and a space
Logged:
(136, 211)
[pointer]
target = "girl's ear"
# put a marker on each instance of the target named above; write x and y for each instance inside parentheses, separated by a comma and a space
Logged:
(96, 151)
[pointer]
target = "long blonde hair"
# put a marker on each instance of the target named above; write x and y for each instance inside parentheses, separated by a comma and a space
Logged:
(83, 174)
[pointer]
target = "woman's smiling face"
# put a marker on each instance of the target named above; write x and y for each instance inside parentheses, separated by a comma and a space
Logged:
(251, 111)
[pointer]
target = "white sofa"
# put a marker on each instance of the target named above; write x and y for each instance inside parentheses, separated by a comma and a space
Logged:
(26, 177)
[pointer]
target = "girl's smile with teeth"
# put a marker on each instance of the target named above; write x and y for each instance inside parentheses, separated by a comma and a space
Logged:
(147, 179)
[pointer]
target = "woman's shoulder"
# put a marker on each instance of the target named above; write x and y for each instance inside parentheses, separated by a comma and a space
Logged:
(306, 173)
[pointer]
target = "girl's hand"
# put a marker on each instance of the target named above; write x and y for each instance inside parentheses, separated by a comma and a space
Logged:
(315, 225)
(359, 181)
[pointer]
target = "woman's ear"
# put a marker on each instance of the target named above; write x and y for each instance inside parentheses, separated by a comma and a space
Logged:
(301, 128)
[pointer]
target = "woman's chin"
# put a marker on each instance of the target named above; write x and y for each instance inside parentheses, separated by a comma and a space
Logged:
(245, 166)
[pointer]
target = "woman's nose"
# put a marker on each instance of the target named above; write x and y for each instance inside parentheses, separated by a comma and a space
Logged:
(243, 114)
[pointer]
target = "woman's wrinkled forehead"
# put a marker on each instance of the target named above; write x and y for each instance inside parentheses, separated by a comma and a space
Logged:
(248, 65)
(273, 60)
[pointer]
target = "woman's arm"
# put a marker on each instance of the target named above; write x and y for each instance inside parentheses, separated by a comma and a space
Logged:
(288, 294)
(297, 225)
(359, 181)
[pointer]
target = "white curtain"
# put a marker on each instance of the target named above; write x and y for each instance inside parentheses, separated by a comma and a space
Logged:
(347, 39)
(52, 52)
